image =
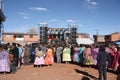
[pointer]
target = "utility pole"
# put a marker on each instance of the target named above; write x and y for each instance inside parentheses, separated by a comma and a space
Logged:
(97, 36)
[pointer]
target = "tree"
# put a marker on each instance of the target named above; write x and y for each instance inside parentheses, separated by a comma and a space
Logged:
(32, 30)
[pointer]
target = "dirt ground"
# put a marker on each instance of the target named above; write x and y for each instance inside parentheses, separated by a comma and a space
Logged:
(56, 72)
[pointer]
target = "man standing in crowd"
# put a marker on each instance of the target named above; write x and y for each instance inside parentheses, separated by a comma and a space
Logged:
(15, 53)
(20, 52)
(102, 57)
(27, 55)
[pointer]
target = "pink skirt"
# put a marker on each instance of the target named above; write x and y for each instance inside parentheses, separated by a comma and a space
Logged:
(39, 61)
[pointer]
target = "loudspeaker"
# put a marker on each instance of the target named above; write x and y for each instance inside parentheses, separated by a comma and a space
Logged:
(73, 35)
(43, 34)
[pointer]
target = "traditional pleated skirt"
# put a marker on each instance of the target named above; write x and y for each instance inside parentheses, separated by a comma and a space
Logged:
(39, 61)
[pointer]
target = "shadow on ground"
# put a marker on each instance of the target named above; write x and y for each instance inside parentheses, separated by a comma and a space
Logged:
(86, 76)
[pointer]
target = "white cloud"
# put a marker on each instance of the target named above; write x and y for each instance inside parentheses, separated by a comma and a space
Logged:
(25, 17)
(93, 3)
(88, 0)
(43, 23)
(38, 8)
(70, 20)
(90, 4)
(75, 25)
(53, 20)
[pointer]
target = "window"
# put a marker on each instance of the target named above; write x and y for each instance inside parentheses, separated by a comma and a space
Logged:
(7, 36)
(31, 36)
(18, 36)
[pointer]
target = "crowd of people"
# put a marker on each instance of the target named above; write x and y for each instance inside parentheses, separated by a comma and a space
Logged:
(12, 56)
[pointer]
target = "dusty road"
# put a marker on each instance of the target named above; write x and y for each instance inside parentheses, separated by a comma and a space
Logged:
(55, 72)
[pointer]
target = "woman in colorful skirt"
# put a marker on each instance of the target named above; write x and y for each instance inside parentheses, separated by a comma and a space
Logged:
(75, 55)
(4, 60)
(88, 58)
(66, 57)
(39, 59)
(115, 61)
(49, 59)
(108, 50)
(94, 52)
(80, 54)
(112, 56)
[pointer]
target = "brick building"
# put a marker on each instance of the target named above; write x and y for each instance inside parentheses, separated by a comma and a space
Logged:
(113, 37)
(83, 35)
(107, 38)
(21, 38)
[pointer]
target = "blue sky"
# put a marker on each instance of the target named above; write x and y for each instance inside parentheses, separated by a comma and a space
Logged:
(89, 15)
